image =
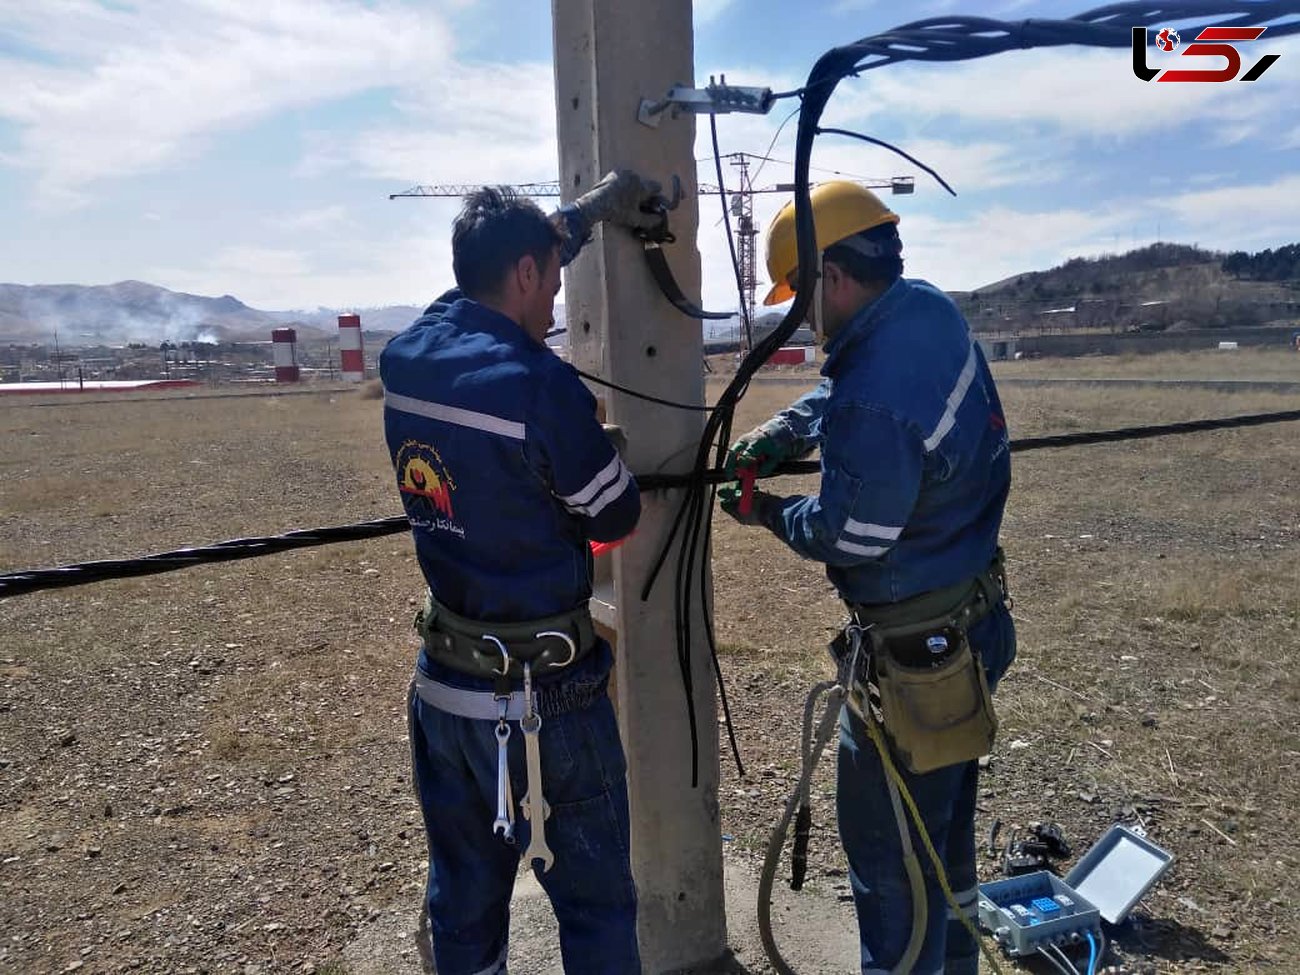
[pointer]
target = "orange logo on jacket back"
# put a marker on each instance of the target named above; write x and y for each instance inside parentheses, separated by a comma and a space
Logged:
(422, 474)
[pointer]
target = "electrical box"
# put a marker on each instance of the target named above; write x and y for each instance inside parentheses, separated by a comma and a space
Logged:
(1035, 910)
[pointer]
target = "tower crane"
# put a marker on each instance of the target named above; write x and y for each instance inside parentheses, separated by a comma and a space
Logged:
(741, 207)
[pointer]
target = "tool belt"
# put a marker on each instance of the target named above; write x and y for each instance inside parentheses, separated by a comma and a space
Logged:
(915, 672)
(493, 650)
(960, 606)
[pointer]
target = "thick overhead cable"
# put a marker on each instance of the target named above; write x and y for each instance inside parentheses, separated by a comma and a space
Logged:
(35, 580)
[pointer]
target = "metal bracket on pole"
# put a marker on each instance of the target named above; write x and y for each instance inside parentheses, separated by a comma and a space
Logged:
(717, 99)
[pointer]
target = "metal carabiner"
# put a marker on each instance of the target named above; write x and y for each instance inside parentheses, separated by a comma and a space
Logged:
(505, 654)
(568, 640)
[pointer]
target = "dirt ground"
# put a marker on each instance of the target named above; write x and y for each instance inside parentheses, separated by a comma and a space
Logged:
(205, 771)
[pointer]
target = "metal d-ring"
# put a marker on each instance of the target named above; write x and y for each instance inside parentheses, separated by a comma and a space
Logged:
(505, 654)
(573, 648)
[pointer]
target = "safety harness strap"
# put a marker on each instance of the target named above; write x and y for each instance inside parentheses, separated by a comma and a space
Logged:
(663, 275)
(476, 647)
(484, 705)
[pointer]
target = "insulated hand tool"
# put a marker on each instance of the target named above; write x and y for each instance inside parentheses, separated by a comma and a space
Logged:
(746, 476)
(600, 548)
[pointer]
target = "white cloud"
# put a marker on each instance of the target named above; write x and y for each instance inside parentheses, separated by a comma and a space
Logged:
(1246, 216)
(960, 254)
(149, 86)
(467, 123)
(406, 267)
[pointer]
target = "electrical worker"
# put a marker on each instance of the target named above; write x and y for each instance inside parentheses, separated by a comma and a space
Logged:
(915, 471)
(506, 476)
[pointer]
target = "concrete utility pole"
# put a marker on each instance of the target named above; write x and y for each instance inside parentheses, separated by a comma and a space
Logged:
(609, 54)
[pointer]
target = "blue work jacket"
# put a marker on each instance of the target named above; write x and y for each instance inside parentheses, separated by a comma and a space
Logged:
(915, 456)
(501, 465)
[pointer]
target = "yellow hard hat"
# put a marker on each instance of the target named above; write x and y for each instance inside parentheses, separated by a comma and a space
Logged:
(841, 208)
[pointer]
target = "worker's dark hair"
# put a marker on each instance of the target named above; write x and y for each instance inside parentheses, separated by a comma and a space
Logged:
(873, 257)
(495, 229)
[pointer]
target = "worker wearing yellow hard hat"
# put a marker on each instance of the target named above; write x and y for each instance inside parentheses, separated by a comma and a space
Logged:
(842, 211)
(915, 472)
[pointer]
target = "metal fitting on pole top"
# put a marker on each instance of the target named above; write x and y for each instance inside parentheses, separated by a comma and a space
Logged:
(718, 98)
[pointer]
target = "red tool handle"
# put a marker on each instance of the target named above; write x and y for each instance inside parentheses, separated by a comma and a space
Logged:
(746, 476)
(600, 548)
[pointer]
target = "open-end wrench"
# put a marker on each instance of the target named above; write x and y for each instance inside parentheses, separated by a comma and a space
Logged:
(504, 823)
(534, 804)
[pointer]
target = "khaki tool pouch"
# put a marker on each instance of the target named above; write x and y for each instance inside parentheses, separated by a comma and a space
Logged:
(936, 716)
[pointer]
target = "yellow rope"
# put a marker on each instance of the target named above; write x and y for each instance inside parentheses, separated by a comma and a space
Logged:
(873, 730)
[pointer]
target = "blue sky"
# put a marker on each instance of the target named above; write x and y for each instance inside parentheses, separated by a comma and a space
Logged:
(225, 146)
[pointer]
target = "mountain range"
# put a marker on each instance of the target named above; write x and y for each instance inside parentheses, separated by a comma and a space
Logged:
(1159, 286)
(134, 311)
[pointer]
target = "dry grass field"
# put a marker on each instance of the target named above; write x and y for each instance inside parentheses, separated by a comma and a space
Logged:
(206, 770)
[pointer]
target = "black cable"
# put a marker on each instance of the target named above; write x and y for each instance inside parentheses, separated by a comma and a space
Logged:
(34, 580)
(1154, 430)
(964, 38)
(800, 468)
(645, 396)
(892, 148)
(708, 513)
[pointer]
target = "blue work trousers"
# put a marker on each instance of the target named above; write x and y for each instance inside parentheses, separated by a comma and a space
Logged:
(869, 831)
(472, 870)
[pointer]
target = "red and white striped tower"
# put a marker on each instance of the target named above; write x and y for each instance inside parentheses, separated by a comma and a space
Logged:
(284, 342)
(352, 361)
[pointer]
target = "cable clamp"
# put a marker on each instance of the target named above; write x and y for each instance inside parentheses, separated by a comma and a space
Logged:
(718, 98)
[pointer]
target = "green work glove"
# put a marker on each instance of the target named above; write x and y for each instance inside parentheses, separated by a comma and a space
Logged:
(618, 198)
(760, 449)
(761, 506)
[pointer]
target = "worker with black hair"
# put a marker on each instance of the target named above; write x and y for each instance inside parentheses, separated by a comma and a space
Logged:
(506, 477)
